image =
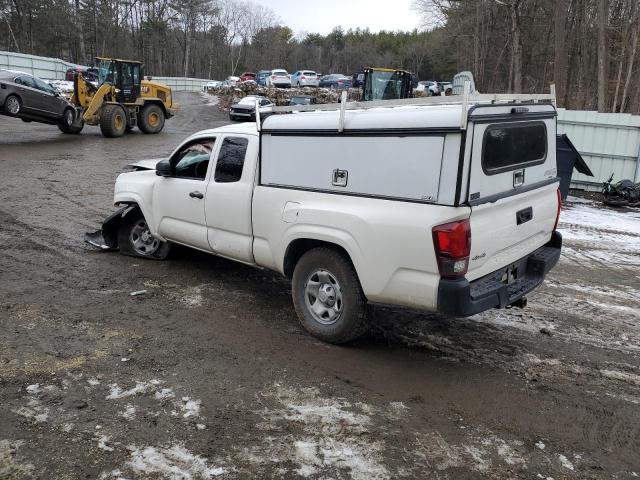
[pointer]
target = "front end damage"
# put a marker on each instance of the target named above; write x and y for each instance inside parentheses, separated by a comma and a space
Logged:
(107, 237)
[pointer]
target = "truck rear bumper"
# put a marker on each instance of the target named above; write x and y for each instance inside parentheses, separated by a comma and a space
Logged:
(459, 298)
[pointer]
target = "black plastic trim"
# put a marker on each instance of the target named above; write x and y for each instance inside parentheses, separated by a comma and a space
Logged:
(372, 132)
(515, 191)
(455, 296)
(510, 117)
(463, 141)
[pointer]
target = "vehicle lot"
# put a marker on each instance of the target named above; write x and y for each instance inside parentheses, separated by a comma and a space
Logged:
(209, 375)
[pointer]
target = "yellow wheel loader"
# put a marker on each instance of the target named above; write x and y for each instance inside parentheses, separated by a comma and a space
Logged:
(122, 100)
(386, 84)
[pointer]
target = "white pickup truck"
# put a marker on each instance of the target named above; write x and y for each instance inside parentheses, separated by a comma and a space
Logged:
(449, 208)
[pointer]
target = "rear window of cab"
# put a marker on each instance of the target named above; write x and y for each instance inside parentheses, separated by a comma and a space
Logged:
(511, 146)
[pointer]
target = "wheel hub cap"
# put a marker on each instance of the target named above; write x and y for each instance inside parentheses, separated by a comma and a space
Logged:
(323, 297)
(142, 240)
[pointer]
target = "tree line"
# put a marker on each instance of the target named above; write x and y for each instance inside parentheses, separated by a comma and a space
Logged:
(588, 48)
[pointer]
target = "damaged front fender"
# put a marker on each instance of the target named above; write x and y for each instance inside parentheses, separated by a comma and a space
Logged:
(107, 237)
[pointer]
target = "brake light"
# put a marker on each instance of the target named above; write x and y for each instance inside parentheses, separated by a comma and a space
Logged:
(555, 226)
(303, 78)
(273, 77)
(452, 242)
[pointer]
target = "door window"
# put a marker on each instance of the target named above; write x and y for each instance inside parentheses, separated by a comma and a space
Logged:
(192, 160)
(231, 160)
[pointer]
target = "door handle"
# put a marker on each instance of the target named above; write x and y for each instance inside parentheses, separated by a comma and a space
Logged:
(196, 195)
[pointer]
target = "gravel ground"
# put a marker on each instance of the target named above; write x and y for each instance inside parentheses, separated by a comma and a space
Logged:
(209, 375)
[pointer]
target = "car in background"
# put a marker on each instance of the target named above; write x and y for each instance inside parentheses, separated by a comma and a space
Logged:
(89, 73)
(446, 87)
(246, 76)
(304, 78)
(279, 78)
(245, 109)
(302, 100)
(429, 87)
(210, 85)
(34, 100)
(261, 77)
(357, 80)
(335, 81)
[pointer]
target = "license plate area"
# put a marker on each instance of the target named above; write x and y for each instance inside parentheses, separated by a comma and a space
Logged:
(509, 274)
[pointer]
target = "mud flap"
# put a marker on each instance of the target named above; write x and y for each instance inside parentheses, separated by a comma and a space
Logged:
(107, 237)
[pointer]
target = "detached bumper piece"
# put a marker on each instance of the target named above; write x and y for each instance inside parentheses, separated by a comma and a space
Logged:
(502, 288)
(107, 237)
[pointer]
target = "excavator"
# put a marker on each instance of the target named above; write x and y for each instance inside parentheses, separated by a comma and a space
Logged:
(122, 100)
(386, 84)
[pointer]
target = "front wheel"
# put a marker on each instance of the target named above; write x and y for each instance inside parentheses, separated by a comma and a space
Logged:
(328, 297)
(135, 238)
(113, 121)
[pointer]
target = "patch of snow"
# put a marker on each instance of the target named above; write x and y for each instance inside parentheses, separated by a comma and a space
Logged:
(564, 461)
(93, 381)
(102, 443)
(164, 394)
(117, 392)
(192, 297)
(190, 407)
(210, 99)
(174, 462)
(129, 412)
(622, 376)
(34, 411)
(540, 444)
(201, 426)
(33, 389)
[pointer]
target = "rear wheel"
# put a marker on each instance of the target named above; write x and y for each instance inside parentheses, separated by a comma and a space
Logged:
(13, 105)
(151, 119)
(135, 238)
(328, 297)
(66, 125)
(113, 121)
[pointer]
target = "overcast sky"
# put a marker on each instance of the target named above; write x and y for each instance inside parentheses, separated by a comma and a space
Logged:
(320, 16)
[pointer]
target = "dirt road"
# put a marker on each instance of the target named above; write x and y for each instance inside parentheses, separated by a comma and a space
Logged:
(209, 375)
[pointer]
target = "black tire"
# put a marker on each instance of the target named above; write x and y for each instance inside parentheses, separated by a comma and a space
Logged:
(351, 322)
(151, 119)
(127, 238)
(113, 121)
(11, 103)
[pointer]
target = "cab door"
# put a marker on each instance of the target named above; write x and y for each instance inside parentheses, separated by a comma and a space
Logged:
(179, 200)
(229, 196)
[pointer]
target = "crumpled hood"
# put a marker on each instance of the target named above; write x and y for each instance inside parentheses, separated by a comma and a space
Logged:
(145, 164)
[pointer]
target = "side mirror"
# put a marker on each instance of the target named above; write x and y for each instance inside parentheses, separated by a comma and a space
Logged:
(163, 168)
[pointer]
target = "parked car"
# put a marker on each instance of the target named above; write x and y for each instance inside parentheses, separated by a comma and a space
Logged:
(279, 78)
(428, 86)
(304, 78)
(335, 81)
(34, 100)
(211, 85)
(245, 109)
(231, 81)
(357, 80)
(469, 227)
(261, 77)
(89, 73)
(302, 100)
(446, 87)
(246, 76)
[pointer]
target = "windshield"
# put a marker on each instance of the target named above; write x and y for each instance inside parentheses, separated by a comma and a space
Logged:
(383, 86)
(106, 71)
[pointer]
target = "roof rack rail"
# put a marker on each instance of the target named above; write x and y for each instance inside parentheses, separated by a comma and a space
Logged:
(465, 99)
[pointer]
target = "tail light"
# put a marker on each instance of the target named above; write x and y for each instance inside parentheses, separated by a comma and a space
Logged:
(452, 242)
(303, 78)
(555, 226)
(273, 77)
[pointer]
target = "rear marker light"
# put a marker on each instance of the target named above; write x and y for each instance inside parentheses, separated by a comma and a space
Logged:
(452, 243)
(555, 226)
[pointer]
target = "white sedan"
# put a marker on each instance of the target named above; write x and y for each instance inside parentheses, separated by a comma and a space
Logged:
(279, 78)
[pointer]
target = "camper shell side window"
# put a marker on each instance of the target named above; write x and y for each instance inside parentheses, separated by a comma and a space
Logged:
(511, 146)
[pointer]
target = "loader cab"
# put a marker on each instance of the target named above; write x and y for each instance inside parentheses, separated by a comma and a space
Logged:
(124, 75)
(386, 84)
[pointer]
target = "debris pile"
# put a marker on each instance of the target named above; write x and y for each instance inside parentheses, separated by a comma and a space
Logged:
(279, 96)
